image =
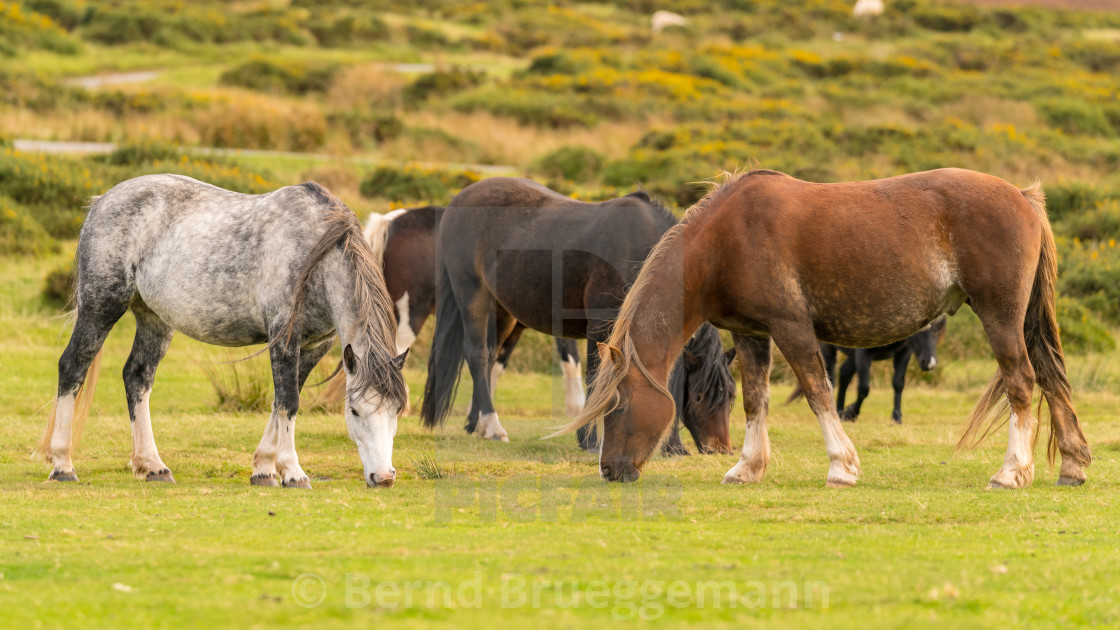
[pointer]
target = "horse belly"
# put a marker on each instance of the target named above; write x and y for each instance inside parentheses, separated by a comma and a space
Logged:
(212, 310)
(881, 309)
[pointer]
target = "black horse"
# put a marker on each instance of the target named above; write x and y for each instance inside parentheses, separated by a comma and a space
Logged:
(922, 344)
(512, 252)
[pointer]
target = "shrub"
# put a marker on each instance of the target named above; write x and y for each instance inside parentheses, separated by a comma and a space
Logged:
(141, 151)
(20, 233)
(442, 83)
(947, 17)
(280, 77)
(1100, 223)
(363, 125)
(574, 163)
(1075, 116)
(20, 28)
(415, 183)
(529, 107)
(241, 385)
(1067, 199)
(347, 30)
(59, 285)
(1090, 272)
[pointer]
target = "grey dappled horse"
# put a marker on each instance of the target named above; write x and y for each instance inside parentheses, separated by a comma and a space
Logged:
(289, 267)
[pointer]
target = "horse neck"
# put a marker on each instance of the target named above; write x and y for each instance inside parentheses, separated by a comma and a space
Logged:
(345, 312)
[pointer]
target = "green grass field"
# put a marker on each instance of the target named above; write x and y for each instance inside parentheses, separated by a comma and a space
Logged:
(920, 542)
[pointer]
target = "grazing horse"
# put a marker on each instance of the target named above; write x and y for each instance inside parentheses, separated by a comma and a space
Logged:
(404, 241)
(290, 268)
(922, 344)
(768, 256)
(512, 252)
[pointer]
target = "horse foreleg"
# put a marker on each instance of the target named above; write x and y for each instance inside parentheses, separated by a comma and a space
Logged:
(798, 344)
(483, 333)
(275, 461)
(754, 366)
(153, 337)
(862, 359)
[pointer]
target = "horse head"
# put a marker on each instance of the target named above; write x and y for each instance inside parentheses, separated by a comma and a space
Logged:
(703, 390)
(924, 343)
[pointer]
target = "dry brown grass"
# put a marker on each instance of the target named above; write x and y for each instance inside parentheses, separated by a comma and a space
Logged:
(366, 87)
(504, 141)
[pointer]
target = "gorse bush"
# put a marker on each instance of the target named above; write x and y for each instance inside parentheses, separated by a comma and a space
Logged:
(572, 163)
(442, 83)
(23, 29)
(282, 77)
(20, 233)
(416, 184)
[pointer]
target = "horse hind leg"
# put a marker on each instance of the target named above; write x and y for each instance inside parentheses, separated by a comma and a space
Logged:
(754, 366)
(1017, 377)
(799, 345)
(77, 378)
(153, 337)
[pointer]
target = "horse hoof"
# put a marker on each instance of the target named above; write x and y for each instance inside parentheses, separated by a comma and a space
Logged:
(160, 475)
(995, 485)
(304, 483)
(58, 475)
(264, 480)
(839, 483)
(1070, 481)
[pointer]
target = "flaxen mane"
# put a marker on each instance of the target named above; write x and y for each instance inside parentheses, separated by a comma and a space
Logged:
(604, 392)
(371, 300)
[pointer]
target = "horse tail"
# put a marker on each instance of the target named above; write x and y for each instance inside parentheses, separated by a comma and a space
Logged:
(377, 231)
(797, 393)
(82, 405)
(447, 354)
(1041, 332)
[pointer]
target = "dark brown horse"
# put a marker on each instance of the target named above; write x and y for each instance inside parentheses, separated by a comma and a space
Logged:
(767, 256)
(514, 253)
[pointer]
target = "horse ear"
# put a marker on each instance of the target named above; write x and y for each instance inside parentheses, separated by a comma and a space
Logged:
(729, 356)
(609, 354)
(348, 359)
(398, 361)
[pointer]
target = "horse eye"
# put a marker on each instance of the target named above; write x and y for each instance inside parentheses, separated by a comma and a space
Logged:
(699, 397)
(354, 411)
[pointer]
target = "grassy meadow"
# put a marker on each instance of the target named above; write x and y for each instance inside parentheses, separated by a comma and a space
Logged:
(392, 104)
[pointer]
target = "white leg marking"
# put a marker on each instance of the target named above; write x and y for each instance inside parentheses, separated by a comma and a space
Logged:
(574, 397)
(405, 335)
(60, 440)
(490, 429)
(751, 467)
(1018, 463)
(264, 459)
(287, 462)
(145, 456)
(843, 463)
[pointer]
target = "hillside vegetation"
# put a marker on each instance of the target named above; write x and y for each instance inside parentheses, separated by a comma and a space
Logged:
(581, 96)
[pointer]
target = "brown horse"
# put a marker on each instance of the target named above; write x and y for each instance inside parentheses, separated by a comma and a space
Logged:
(767, 256)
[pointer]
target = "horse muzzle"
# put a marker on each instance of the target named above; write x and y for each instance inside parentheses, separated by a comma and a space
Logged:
(382, 480)
(619, 472)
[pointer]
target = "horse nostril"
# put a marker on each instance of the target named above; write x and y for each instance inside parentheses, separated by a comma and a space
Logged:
(606, 471)
(383, 480)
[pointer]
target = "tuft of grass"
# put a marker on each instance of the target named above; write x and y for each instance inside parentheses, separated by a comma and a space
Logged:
(240, 385)
(427, 467)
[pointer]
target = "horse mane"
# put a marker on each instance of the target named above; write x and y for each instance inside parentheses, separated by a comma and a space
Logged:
(604, 392)
(371, 300)
(653, 202)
